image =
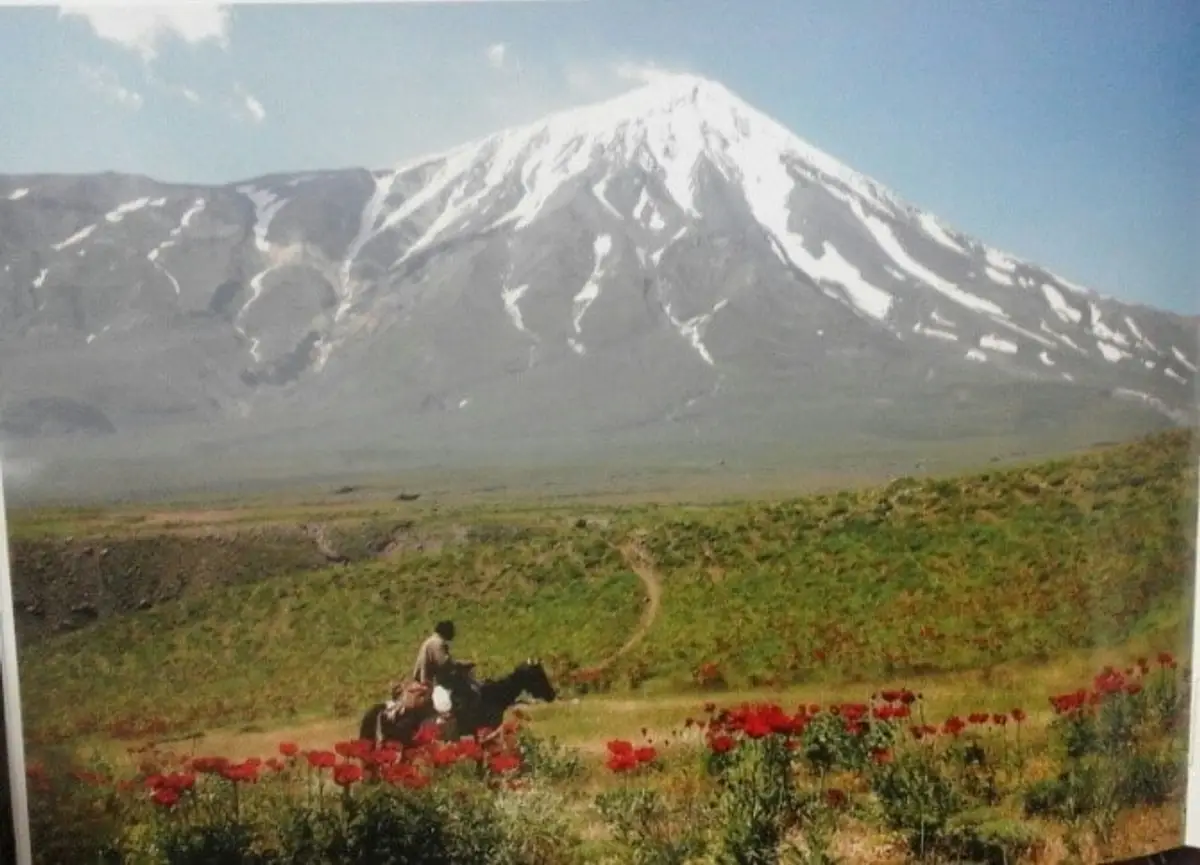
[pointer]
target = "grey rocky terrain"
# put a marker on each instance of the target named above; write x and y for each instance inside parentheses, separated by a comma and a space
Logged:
(665, 270)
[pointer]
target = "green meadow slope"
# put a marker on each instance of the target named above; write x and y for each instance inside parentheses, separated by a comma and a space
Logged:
(917, 578)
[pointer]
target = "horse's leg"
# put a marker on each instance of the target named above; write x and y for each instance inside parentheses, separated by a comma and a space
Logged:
(369, 727)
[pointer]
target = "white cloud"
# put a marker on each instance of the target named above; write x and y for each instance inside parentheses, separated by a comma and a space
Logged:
(250, 104)
(103, 81)
(497, 54)
(143, 29)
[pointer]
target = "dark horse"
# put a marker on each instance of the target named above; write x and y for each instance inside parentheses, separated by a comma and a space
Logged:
(469, 713)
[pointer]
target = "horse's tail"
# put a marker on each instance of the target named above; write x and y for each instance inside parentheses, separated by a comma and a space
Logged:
(368, 730)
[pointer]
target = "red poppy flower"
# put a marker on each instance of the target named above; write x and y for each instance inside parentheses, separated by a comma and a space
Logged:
(386, 756)
(321, 759)
(622, 762)
(756, 727)
(954, 725)
(241, 773)
(427, 734)
(881, 756)
(721, 743)
(178, 781)
(165, 797)
(210, 765)
(620, 747)
(347, 774)
(289, 749)
(1018, 715)
(502, 763)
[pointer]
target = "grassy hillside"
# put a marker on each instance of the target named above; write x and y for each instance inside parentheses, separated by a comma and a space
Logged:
(915, 578)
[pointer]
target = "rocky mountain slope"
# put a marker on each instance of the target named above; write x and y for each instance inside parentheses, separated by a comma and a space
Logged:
(665, 267)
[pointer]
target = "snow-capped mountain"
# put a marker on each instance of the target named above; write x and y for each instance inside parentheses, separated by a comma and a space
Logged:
(671, 262)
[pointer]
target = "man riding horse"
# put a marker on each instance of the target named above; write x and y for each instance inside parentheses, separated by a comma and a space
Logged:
(436, 675)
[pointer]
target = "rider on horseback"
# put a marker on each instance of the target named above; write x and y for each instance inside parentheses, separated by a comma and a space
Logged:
(435, 670)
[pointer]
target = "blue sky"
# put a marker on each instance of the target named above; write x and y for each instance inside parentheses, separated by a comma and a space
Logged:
(1064, 132)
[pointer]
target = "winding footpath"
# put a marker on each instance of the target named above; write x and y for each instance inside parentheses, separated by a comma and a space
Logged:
(638, 561)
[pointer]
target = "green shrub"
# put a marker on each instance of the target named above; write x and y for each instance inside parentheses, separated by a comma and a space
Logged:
(650, 829)
(987, 838)
(1148, 779)
(917, 798)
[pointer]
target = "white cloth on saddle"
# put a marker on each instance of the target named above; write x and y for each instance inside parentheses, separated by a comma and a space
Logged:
(441, 700)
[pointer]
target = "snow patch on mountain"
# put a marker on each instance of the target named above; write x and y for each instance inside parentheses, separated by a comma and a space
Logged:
(1139, 336)
(888, 243)
(1028, 334)
(170, 277)
(512, 299)
(1182, 358)
(1103, 331)
(1075, 287)
(657, 255)
(188, 216)
(935, 230)
(368, 227)
(977, 355)
(997, 277)
(833, 267)
(18, 194)
(995, 343)
(938, 318)
(934, 332)
(598, 190)
(1045, 358)
(601, 249)
(1061, 337)
(266, 205)
(1059, 306)
(78, 237)
(41, 278)
(1170, 373)
(122, 210)
(1110, 352)
(693, 329)
(999, 260)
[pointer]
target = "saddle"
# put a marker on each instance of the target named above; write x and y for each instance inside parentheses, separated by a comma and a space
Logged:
(408, 696)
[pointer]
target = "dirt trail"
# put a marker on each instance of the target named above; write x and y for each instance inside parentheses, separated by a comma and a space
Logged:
(639, 562)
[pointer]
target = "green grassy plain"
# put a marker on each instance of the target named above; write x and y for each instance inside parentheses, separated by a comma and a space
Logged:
(918, 578)
(987, 590)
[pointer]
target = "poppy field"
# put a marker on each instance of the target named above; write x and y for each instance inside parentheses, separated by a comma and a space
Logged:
(985, 668)
(882, 780)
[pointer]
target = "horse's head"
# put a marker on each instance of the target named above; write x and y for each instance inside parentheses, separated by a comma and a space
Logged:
(533, 679)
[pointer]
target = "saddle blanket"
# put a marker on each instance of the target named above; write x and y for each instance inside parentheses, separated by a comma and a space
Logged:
(412, 696)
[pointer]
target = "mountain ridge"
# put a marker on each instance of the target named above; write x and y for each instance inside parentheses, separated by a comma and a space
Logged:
(668, 263)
